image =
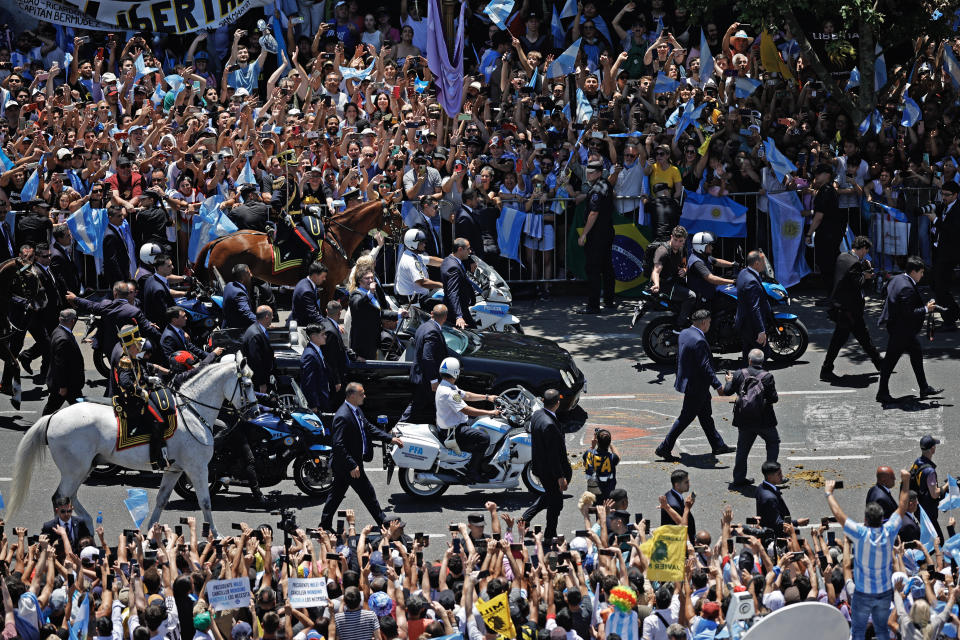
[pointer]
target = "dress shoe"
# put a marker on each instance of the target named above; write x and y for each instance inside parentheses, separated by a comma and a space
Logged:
(25, 363)
(885, 398)
(743, 482)
(724, 449)
(827, 375)
(928, 391)
(588, 311)
(666, 455)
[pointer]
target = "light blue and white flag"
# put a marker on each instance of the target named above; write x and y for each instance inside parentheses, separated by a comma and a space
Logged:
(509, 232)
(721, 216)
(246, 176)
(556, 28)
(873, 118)
(780, 163)
(141, 68)
(911, 112)
(29, 191)
(498, 11)
(5, 162)
(137, 506)
(584, 108)
(745, 87)
(854, 79)
(175, 81)
(420, 85)
(952, 66)
(79, 622)
(951, 547)
(409, 213)
(879, 70)
(952, 499)
(665, 84)
(488, 64)
(706, 60)
(534, 77)
(569, 9)
(566, 62)
(928, 534)
(690, 115)
(209, 224)
(87, 226)
(786, 225)
(349, 73)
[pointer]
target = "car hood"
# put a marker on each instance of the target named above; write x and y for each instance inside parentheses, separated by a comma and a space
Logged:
(514, 348)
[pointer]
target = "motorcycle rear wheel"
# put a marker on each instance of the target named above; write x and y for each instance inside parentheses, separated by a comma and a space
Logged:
(531, 480)
(790, 342)
(313, 479)
(513, 328)
(659, 340)
(102, 471)
(418, 490)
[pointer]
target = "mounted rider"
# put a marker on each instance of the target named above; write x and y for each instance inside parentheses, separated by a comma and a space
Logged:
(300, 230)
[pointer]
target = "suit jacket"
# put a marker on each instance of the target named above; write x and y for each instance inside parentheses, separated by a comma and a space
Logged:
(458, 293)
(364, 325)
(910, 527)
(903, 310)
(116, 261)
(675, 500)
(753, 308)
(114, 314)
(7, 245)
(258, 352)
(65, 269)
(694, 369)
(171, 342)
(847, 290)
(433, 240)
(468, 227)
(50, 312)
(771, 509)
(946, 231)
(78, 529)
(156, 300)
(550, 461)
(315, 378)
(66, 363)
(883, 497)
(237, 311)
(348, 449)
(769, 394)
(335, 352)
(306, 309)
(429, 350)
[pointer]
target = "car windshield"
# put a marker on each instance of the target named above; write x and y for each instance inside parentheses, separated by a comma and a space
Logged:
(461, 342)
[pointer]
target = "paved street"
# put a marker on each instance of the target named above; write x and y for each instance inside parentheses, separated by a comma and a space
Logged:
(833, 431)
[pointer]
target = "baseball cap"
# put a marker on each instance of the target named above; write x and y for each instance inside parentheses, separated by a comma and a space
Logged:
(241, 92)
(108, 78)
(63, 153)
(240, 631)
(595, 166)
(89, 554)
(11, 103)
(201, 55)
(711, 610)
(475, 519)
(928, 440)
(381, 604)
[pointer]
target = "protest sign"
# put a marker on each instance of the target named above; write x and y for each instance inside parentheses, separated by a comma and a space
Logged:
(228, 594)
(307, 592)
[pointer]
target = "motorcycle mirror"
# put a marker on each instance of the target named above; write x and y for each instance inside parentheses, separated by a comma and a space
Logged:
(273, 380)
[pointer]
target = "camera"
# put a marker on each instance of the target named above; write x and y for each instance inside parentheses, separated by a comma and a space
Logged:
(288, 520)
(927, 209)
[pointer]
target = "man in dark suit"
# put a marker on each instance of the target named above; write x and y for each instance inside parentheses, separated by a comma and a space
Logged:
(7, 247)
(335, 352)
(695, 376)
(352, 433)
(157, 298)
(116, 260)
(749, 428)
(315, 375)
(946, 239)
(44, 321)
(118, 312)
(306, 308)
(237, 309)
(847, 303)
(903, 314)
(753, 308)
(175, 339)
(65, 377)
(880, 492)
(429, 350)
(75, 528)
(428, 210)
(256, 348)
(62, 260)
(771, 508)
(550, 461)
(365, 317)
(390, 346)
(910, 526)
(679, 485)
(458, 293)
(468, 220)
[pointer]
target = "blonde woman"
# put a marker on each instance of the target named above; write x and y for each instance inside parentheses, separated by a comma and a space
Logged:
(919, 624)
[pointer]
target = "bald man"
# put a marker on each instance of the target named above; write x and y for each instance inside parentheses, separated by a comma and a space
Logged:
(880, 492)
(256, 348)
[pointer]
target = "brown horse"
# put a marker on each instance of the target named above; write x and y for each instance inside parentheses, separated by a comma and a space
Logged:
(253, 249)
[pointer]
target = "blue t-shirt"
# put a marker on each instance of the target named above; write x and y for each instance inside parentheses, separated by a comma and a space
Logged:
(245, 78)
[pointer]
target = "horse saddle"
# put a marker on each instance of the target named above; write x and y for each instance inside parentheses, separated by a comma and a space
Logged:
(136, 418)
(293, 246)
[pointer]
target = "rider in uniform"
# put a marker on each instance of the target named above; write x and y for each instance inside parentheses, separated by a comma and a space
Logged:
(139, 394)
(454, 413)
(296, 227)
(700, 277)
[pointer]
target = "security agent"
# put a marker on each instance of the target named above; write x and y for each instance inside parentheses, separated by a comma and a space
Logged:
(771, 508)
(945, 229)
(453, 412)
(458, 292)
(306, 296)
(412, 284)
(597, 240)
(847, 302)
(253, 213)
(237, 310)
(880, 492)
(749, 429)
(700, 277)
(429, 350)
(679, 485)
(903, 314)
(550, 462)
(115, 313)
(753, 308)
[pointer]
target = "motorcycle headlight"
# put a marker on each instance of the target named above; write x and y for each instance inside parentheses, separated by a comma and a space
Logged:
(507, 296)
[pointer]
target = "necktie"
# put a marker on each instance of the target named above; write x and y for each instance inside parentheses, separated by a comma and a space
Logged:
(363, 434)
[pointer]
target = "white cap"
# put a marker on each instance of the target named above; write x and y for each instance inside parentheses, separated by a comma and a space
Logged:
(476, 85)
(89, 554)
(241, 92)
(63, 153)
(108, 78)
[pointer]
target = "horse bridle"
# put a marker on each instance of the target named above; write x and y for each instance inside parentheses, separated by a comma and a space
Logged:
(389, 210)
(193, 401)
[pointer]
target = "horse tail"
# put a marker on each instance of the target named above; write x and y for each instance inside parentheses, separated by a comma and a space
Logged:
(29, 452)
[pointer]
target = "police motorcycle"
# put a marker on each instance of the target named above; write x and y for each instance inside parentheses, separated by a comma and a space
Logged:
(283, 432)
(492, 310)
(788, 339)
(430, 461)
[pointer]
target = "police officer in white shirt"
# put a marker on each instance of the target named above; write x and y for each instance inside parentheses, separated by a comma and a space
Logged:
(453, 412)
(412, 283)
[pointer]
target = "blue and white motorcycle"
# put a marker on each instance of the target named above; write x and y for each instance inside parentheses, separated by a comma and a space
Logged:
(492, 310)
(430, 461)
(788, 338)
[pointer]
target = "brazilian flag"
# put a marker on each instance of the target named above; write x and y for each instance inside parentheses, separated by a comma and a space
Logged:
(629, 246)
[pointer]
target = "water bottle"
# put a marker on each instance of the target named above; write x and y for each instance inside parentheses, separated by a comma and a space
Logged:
(99, 518)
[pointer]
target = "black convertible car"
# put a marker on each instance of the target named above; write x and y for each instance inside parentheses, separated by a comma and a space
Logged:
(490, 362)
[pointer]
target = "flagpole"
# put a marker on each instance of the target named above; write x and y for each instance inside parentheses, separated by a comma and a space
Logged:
(449, 12)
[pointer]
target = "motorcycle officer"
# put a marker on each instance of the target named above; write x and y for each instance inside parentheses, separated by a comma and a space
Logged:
(700, 277)
(453, 412)
(669, 275)
(412, 283)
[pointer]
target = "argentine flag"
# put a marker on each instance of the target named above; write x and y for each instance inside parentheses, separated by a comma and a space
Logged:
(706, 60)
(87, 225)
(721, 216)
(137, 507)
(952, 499)
(584, 109)
(509, 229)
(566, 62)
(246, 176)
(911, 112)
(556, 28)
(29, 191)
(786, 225)
(209, 224)
(349, 73)
(665, 84)
(927, 533)
(5, 162)
(498, 11)
(569, 9)
(780, 164)
(951, 66)
(745, 87)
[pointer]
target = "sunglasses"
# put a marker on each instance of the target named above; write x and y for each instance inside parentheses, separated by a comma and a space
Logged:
(661, 153)
(629, 155)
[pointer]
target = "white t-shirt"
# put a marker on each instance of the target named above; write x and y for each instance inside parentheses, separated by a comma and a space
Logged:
(410, 269)
(450, 403)
(419, 32)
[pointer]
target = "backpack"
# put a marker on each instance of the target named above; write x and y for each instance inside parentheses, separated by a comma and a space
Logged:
(648, 253)
(916, 478)
(750, 401)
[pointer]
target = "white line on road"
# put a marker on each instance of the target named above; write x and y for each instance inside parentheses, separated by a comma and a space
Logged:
(801, 458)
(6, 479)
(612, 397)
(16, 413)
(816, 392)
(634, 462)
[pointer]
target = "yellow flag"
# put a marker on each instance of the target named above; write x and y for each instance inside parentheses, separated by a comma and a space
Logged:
(706, 145)
(667, 551)
(496, 613)
(770, 57)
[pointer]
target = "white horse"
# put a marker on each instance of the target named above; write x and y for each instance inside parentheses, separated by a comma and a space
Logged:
(85, 434)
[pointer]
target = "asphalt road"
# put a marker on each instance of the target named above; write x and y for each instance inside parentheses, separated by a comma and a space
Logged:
(827, 431)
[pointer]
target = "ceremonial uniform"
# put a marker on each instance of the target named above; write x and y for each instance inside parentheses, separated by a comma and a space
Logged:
(598, 246)
(137, 399)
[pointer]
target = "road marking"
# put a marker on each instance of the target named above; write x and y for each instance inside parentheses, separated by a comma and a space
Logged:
(6, 479)
(610, 397)
(802, 458)
(16, 413)
(816, 392)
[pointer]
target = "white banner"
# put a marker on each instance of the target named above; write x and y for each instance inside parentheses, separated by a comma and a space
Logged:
(169, 16)
(228, 594)
(62, 14)
(307, 592)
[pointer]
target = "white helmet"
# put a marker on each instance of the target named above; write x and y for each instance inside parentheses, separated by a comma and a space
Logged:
(701, 240)
(149, 252)
(412, 239)
(450, 367)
